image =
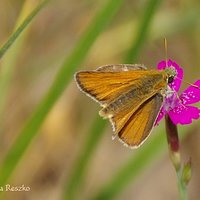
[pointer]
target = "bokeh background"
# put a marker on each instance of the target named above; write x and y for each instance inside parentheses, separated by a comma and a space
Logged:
(72, 155)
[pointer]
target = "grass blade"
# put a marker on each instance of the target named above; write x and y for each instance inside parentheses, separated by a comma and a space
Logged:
(62, 79)
(94, 135)
(21, 28)
(77, 174)
(145, 23)
(9, 60)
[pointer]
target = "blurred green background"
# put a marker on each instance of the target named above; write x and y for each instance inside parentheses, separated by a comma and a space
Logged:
(52, 139)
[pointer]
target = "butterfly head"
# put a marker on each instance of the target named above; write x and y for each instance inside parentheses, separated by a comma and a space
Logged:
(171, 73)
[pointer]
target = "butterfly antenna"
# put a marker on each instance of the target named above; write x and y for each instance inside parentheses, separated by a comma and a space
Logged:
(166, 56)
(193, 85)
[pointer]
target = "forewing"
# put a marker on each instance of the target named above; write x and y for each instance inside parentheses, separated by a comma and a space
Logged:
(105, 86)
(121, 67)
(139, 125)
(134, 95)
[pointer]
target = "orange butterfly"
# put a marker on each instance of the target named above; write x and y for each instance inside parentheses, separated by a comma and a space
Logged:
(131, 97)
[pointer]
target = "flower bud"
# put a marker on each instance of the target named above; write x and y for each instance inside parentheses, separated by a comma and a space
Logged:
(187, 172)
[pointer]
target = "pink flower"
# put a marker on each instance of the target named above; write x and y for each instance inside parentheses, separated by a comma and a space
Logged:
(178, 107)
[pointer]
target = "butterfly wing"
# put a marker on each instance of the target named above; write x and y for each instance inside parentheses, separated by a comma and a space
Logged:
(121, 67)
(140, 123)
(126, 92)
(110, 81)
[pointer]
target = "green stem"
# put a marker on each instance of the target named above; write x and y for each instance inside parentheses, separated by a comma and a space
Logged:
(183, 173)
(181, 185)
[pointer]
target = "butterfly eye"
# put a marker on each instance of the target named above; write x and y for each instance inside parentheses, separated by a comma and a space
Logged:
(170, 79)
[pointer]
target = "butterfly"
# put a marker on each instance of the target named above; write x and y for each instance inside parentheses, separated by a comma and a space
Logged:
(130, 95)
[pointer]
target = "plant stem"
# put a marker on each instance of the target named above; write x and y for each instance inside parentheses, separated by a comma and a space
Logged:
(181, 185)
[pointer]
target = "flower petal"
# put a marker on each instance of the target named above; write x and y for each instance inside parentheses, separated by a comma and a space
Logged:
(175, 85)
(184, 114)
(161, 114)
(191, 94)
(161, 65)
